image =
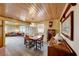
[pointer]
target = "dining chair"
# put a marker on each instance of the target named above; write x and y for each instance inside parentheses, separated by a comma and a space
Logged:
(28, 42)
(39, 42)
(26, 38)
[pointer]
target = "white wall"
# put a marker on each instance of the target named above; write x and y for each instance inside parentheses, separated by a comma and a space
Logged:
(75, 44)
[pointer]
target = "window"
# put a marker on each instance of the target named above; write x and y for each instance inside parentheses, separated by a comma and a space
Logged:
(26, 29)
(22, 29)
(40, 28)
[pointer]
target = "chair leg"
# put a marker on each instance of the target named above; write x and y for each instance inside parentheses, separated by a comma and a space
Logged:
(24, 41)
(36, 45)
(40, 45)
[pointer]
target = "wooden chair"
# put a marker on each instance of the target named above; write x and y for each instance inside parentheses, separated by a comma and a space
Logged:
(28, 42)
(39, 42)
(26, 38)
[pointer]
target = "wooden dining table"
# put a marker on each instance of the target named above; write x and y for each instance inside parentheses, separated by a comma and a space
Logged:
(35, 39)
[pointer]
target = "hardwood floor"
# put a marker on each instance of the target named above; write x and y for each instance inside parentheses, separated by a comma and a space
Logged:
(15, 47)
(2, 51)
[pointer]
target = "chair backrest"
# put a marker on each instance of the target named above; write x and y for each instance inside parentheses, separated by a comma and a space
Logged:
(26, 37)
(42, 37)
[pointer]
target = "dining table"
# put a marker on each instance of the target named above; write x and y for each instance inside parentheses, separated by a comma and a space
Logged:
(35, 39)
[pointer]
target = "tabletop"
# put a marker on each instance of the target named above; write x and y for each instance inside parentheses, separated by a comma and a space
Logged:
(35, 37)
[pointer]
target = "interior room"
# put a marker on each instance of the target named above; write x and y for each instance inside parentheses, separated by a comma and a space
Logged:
(28, 29)
(15, 35)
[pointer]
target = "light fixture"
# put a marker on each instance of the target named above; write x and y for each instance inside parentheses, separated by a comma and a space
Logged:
(22, 17)
(33, 25)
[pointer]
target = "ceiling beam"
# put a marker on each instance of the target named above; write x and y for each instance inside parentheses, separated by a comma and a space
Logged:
(11, 19)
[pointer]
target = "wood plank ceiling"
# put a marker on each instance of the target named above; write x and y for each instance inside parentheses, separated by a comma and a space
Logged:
(32, 12)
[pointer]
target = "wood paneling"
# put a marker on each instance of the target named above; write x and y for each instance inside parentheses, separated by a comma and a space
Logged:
(32, 12)
(2, 9)
(1, 33)
(1, 42)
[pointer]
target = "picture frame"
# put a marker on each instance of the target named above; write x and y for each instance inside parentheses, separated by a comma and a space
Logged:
(50, 23)
(67, 28)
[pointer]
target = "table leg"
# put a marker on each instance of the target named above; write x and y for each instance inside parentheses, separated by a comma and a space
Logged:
(36, 44)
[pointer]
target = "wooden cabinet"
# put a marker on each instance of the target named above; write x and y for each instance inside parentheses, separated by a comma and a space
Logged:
(62, 49)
